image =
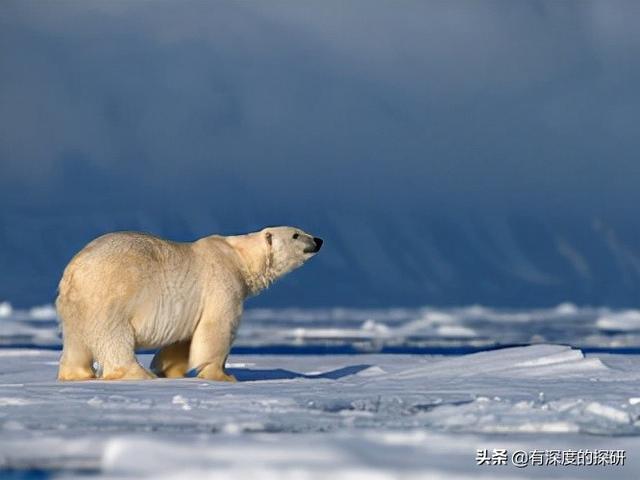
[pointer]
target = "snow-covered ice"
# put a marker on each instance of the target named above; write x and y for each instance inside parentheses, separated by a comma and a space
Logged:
(339, 415)
(369, 415)
(392, 330)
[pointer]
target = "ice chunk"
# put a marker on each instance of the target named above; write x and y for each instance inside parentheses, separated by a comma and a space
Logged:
(5, 309)
(43, 312)
(608, 412)
(566, 308)
(625, 321)
(532, 360)
(456, 331)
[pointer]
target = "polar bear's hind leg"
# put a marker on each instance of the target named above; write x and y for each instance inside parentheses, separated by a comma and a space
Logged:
(76, 362)
(172, 361)
(115, 352)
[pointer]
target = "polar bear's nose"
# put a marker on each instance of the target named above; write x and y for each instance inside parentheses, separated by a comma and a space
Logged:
(318, 242)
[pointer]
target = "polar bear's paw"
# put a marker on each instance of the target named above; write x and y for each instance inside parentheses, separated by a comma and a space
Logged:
(131, 372)
(214, 372)
(75, 374)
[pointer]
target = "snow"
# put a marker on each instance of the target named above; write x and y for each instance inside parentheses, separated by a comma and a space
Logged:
(367, 415)
(307, 416)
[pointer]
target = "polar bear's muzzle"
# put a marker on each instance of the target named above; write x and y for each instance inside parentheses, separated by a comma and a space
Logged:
(315, 247)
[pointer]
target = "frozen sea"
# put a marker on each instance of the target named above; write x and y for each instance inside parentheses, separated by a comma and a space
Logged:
(343, 393)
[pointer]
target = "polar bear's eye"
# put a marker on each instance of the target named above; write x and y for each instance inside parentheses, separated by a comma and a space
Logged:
(295, 235)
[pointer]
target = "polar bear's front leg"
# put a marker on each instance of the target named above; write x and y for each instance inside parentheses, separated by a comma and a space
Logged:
(211, 344)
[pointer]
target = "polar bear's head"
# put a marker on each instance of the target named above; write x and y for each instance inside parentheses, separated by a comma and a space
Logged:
(272, 253)
(288, 248)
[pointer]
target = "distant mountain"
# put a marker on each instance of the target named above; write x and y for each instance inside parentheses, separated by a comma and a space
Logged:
(377, 259)
(376, 127)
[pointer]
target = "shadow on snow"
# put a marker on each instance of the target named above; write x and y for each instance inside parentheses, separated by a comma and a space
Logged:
(253, 375)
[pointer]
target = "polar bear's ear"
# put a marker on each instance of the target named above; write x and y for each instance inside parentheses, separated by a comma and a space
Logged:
(268, 237)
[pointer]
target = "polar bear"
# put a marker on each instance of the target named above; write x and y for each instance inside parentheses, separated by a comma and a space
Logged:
(129, 290)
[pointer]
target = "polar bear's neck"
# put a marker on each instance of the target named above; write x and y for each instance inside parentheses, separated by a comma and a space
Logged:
(255, 263)
(257, 276)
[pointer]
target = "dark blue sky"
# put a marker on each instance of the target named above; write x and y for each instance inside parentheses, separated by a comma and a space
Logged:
(194, 117)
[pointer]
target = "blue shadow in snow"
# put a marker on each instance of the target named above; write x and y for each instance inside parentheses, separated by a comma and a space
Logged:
(253, 375)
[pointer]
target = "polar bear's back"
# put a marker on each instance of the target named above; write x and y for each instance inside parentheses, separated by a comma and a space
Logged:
(122, 269)
(133, 254)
